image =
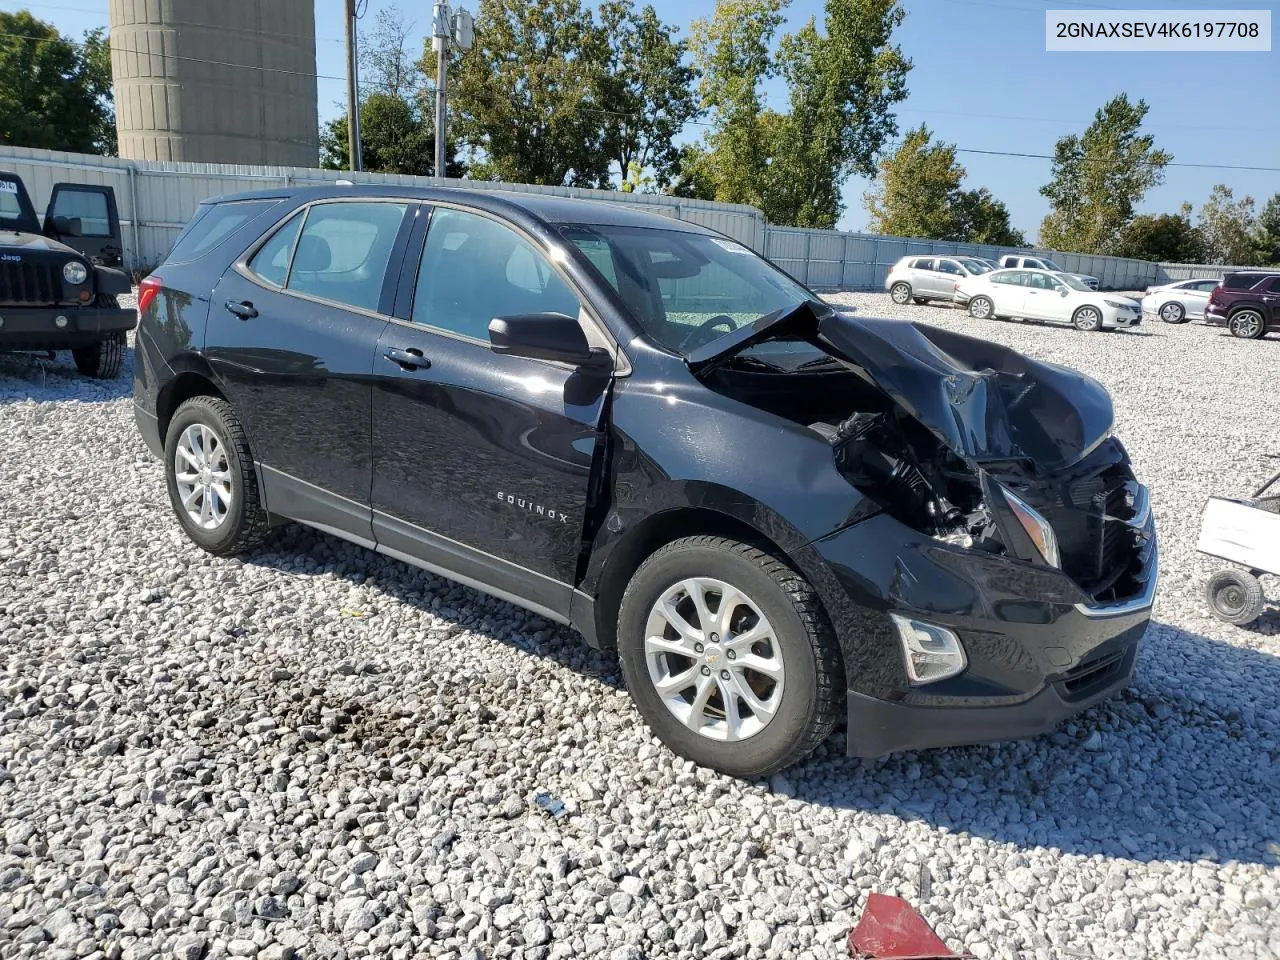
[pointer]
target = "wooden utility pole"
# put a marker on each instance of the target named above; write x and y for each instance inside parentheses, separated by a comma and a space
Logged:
(353, 89)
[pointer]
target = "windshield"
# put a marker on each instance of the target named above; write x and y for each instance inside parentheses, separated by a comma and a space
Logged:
(686, 289)
(1072, 282)
(978, 267)
(15, 208)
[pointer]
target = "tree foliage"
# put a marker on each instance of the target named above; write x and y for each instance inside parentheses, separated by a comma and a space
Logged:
(842, 80)
(54, 93)
(918, 194)
(396, 136)
(1162, 238)
(1099, 178)
(1268, 233)
(1228, 228)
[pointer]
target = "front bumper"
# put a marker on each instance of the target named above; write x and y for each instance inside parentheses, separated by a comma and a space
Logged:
(1038, 649)
(1115, 319)
(36, 328)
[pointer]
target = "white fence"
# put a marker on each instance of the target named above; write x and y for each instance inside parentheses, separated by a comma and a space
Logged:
(836, 260)
(156, 198)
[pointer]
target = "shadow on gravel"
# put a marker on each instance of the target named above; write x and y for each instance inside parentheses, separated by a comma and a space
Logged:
(1183, 768)
(450, 601)
(28, 376)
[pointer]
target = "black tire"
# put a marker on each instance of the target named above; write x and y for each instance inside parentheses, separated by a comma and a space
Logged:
(900, 293)
(1235, 596)
(813, 687)
(1173, 312)
(102, 360)
(1247, 324)
(1088, 319)
(981, 308)
(246, 521)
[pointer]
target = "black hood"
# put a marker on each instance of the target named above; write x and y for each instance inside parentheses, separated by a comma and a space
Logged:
(23, 242)
(983, 401)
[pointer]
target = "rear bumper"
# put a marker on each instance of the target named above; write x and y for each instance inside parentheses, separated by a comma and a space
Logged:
(1215, 315)
(37, 328)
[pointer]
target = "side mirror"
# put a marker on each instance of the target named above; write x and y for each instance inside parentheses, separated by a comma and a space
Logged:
(543, 336)
(1062, 291)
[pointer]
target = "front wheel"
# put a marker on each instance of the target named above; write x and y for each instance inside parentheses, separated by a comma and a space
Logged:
(1235, 596)
(1087, 319)
(729, 657)
(900, 293)
(980, 308)
(211, 480)
(1247, 325)
(102, 360)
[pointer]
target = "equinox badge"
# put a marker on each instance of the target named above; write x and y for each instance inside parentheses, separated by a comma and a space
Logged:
(535, 508)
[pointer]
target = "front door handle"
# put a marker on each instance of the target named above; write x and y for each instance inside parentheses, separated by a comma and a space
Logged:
(242, 309)
(410, 359)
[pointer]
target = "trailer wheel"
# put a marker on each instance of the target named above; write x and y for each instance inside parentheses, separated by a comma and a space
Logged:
(1235, 596)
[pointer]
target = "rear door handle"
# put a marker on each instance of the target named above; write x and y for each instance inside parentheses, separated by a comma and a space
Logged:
(410, 359)
(242, 309)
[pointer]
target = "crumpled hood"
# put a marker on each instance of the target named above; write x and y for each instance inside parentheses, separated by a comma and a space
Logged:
(984, 401)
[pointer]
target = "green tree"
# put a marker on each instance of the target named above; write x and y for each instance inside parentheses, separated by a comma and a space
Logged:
(981, 218)
(526, 97)
(918, 194)
(842, 82)
(1162, 238)
(395, 137)
(646, 94)
(1099, 178)
(918, 190)
(1227, 228)
(54, 93)
(1268, 232)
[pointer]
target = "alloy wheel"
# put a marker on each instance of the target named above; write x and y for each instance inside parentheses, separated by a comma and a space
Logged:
(203, 475)
(1172, 313)
(1246, 324)
(980, 308)
(714, 659)
(1087, 318)
(900, 293)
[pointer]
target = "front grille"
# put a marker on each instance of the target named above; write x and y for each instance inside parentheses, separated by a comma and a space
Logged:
(1094, 674)
(30, 283)
(1088, 510)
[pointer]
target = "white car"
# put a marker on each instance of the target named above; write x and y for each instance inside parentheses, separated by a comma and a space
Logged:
(1042, 295)
(1012, 262)
(920, 279)
(1180, 301)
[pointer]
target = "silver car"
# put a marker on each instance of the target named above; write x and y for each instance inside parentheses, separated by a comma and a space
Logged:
(920, 279)
(1178, 302)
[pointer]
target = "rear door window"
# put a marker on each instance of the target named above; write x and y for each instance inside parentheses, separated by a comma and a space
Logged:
(343, 251)
(924, 263)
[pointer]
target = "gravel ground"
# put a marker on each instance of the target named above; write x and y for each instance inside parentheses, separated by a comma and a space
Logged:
(316, 750)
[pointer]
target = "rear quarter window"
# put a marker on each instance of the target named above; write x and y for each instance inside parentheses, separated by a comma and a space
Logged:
(212, 224)
(1241, 281)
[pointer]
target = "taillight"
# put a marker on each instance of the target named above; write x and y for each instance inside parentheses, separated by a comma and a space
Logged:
(147, 290)
(1213, 295)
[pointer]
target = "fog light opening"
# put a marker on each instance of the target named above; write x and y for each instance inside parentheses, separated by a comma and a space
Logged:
(931, 653)
(60, 321)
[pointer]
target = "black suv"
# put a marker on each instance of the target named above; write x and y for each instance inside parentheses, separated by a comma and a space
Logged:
(775, 513)
(1247, 303)
(58, 287)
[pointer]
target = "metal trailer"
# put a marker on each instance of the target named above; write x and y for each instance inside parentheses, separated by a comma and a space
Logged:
(1247, 532)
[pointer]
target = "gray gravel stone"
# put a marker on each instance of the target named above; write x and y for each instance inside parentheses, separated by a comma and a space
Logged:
(317, 749)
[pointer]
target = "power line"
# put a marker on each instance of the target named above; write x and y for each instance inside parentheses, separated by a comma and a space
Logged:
(1171, 163)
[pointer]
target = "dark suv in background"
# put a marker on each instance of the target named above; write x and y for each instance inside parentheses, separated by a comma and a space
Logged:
(778, 515)
(1247, 303)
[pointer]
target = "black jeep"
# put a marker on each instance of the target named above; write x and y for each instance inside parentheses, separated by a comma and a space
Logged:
(59, 286)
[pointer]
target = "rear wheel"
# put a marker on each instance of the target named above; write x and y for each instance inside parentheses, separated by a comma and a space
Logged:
(981, 308)
(212, 484)
(1235, 596)
(1087, 319)
(900, 293)
(1246, 324)
(1173, 312)
(102, 360)
(728, 656)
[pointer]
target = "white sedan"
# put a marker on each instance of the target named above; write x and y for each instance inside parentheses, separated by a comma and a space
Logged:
(1044, 295)
(1178, 302)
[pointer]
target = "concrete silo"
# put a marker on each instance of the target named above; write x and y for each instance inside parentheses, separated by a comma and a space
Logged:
(216, 81)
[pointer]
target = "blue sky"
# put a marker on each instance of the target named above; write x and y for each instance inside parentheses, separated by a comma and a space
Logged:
(983, 80)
